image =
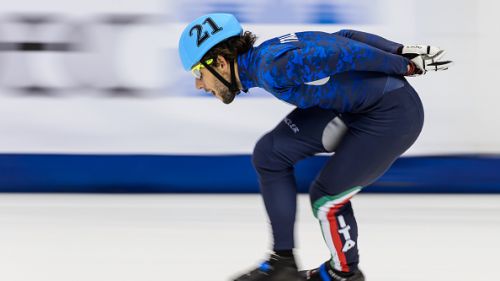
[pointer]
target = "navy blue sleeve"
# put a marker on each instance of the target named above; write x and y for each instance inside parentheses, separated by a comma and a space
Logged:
(321, 55)
(371, 39)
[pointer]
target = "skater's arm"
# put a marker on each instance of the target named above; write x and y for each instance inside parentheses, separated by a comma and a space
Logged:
(326, 58)
(372, 40)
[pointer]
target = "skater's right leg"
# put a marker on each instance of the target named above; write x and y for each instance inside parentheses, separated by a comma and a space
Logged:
(304, 132)
(301, 134)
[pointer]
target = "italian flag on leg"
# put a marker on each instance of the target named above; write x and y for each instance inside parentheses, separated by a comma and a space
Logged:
(325, 209)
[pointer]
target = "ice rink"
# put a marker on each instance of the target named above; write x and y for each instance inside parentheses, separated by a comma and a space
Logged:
(213, 237)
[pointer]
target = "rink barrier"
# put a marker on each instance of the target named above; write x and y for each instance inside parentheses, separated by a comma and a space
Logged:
(228, 174)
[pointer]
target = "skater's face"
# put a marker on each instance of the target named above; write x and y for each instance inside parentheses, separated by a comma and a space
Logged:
(205, 80)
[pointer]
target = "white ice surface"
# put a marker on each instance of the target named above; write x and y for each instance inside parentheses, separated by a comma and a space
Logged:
(212, 237)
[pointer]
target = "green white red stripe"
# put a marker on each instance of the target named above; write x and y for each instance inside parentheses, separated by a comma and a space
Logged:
(325, 210)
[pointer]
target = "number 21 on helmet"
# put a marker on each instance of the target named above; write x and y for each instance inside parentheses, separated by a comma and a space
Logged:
(204, 33)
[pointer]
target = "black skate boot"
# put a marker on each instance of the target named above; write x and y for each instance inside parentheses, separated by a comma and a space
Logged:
(326, 273)
(277, 268)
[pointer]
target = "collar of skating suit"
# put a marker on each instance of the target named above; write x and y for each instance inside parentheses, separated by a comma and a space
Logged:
(245, 63)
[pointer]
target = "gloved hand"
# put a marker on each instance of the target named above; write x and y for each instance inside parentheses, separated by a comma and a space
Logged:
(411, 51)
(424, 58)
(423, 64)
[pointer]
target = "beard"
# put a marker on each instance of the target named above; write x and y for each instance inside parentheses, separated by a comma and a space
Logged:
(228, 97)
(223, 92)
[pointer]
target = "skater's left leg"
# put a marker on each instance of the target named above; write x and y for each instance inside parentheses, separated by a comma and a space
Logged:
(374, 141)
(358, 162)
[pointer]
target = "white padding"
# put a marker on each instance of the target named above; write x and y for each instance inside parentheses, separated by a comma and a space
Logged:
(333, 133)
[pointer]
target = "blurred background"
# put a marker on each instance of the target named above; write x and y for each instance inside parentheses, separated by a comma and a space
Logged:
(96, 113)
(93, 96)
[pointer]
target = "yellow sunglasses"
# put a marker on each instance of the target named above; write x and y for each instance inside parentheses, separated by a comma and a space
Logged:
(196, 70)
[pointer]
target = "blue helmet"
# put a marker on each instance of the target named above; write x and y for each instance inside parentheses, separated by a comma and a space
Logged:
(204, 33)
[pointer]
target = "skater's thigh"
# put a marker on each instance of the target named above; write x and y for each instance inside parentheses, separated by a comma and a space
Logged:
(306, 132)
(359, 160)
